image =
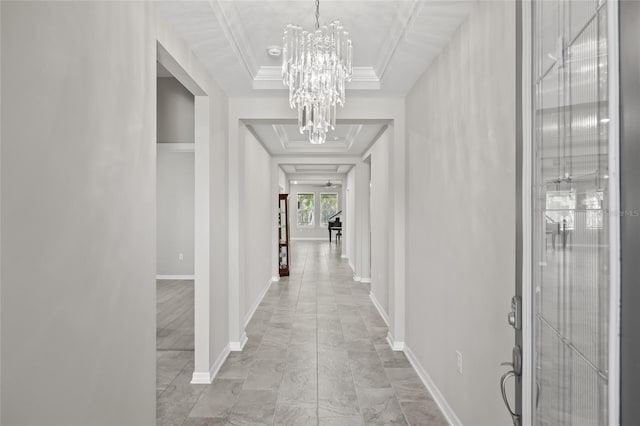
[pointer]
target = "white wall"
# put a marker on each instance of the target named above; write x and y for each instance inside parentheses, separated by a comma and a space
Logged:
(256, 222)
(362, 205)
(78, 213)
(175, 212)
(461, 213)
(218, 314)
(317, 231)
(350, 201)
(381, 204)
(78, 196)
(175, 112)
(283, 184)
(175, 179)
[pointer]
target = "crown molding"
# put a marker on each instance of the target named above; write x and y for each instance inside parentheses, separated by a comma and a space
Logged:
(282, 135)
(364, 78)
(303, 145)
(233, 29)
(353, 133)
(396, 34)
(269, 73)
(270, 78)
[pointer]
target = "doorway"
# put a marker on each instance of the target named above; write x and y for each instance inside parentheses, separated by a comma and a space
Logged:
(193, 154)
(175, 214)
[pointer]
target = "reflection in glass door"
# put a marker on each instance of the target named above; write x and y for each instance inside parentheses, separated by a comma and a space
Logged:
(570, 221)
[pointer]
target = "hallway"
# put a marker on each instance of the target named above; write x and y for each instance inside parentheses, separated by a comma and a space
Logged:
(316, 354)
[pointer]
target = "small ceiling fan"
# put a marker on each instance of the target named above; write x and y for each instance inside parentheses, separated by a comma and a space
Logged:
(329, 185)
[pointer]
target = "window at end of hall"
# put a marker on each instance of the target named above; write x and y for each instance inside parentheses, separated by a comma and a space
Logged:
(306, 207)
(328, 207)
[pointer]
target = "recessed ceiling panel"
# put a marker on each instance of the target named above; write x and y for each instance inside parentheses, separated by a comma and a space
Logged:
(308, 168)
(369, 24)
(394, 41)
(346, 139)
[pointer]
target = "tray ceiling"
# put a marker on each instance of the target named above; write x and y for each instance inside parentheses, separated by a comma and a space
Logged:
(346, 139)
(394, 41)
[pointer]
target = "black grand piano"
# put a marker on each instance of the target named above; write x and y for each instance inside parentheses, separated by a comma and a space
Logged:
(335, 225)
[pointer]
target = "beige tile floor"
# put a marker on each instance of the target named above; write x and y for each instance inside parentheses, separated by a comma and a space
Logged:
(316, 355)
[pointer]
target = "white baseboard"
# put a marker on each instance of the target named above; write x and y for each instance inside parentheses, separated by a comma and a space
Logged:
(393, 344)
(201, 378)
(365, 280)
(309, 238)
(437, 396)
(238, 346)
(207, 378)
(353, 268)
(175, 277)
(257, 302)
(378, 306)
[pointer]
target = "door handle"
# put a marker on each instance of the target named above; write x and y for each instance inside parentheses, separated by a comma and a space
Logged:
(515, 418)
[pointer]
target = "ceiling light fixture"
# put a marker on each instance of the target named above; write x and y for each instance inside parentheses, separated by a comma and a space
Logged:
(274, 51)
(315, 67)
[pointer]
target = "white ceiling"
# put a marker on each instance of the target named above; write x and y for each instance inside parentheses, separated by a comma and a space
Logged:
(316, 174)
(346, 139)
(316, 171)
(394, 40)
(327, 183)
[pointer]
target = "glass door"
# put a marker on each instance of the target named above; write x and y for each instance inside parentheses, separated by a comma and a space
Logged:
(570, 229)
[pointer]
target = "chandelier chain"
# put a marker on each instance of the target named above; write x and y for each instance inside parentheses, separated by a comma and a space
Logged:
(317, 14)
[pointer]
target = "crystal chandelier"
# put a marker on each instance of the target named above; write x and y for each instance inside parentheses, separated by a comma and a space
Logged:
(315, 67)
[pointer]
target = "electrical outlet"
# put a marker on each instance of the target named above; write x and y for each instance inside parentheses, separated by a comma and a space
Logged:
(459, 362)
(180, 256)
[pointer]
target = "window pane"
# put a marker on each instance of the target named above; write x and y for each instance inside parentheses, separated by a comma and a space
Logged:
(571, 255)
(328, 207)
(306, 207)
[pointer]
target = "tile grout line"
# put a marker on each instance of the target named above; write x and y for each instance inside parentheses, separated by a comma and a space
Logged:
(194, 403)
(355, 387)
(289, 343)
(395, 396)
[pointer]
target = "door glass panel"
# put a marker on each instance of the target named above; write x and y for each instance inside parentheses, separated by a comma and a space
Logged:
(571, 219)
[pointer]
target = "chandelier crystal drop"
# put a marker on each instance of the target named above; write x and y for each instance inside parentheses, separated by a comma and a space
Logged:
(315, 67)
